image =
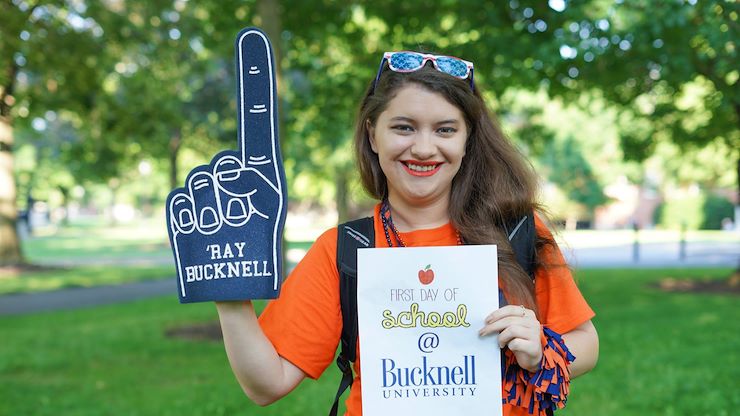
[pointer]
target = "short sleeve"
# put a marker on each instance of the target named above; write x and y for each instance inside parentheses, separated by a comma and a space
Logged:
(304, 323)
(561, 305)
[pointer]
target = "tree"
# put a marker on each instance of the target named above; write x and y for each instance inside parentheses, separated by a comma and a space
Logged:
(145, 78)
(571, 171)
(166, 86)
(669, 66)
(51, 57)
(134, 78)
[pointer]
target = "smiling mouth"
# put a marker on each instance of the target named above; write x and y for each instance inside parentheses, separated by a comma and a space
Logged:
(421, 168)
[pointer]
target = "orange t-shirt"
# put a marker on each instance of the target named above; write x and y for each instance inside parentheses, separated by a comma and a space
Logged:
(305, 322)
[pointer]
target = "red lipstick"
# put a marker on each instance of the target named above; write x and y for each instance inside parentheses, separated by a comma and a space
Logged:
(421, 168)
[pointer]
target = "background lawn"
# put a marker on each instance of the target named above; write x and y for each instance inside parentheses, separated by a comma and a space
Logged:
(94, 240)
(92, 252)
(661, 354)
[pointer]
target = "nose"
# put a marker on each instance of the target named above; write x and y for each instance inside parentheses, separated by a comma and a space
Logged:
(424, 146)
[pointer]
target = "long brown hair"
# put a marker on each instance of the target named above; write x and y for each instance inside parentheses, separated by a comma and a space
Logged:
(495, 183)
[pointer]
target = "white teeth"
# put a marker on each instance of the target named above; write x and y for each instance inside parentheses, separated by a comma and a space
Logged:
(418, 168)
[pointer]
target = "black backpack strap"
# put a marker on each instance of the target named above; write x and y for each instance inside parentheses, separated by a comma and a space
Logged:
(522, 237)
(351, 236)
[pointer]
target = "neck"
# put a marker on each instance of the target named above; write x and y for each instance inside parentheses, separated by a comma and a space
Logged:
(410, 217)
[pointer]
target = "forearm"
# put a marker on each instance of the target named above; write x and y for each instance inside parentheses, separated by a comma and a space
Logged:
(583, 343)
(263, 375)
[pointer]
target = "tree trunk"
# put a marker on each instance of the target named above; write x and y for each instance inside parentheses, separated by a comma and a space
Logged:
(10, 247)
(270, 21)
(65, 204)
(113, 185)
(175, 143)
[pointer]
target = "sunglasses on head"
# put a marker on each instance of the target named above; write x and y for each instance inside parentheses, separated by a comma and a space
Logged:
(407, 61)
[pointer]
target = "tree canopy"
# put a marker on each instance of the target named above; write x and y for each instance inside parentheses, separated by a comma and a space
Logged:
(120, 81)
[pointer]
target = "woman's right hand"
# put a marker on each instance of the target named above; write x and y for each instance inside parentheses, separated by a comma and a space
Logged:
(519, 330)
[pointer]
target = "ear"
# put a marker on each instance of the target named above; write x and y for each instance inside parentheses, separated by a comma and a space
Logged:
(371, 135)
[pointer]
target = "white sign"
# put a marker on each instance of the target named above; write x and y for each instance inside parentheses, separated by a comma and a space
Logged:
(420, 310)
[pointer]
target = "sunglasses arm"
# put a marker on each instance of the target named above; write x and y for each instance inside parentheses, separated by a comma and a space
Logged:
(380, 70)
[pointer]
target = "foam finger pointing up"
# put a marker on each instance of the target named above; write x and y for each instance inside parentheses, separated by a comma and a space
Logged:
(256, 98)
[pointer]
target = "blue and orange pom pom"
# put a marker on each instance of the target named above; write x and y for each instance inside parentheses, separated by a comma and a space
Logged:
(547, 388)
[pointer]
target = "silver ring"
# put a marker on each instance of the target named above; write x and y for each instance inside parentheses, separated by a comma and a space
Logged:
(524, 310)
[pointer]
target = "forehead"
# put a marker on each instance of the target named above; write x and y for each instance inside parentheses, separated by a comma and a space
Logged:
(418, 103)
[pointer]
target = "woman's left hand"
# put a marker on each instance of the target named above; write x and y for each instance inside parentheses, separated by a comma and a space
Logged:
(519, 330)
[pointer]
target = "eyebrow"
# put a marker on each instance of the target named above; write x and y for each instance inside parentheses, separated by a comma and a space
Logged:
(411, 120)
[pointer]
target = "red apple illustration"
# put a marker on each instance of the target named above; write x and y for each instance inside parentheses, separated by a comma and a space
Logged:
(427, 275)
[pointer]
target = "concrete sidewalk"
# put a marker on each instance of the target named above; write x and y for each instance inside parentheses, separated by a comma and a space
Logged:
(655, 255)
(75, 298)
(652, 255)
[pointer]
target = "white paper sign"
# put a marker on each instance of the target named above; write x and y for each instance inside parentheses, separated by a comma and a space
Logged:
(420, 310)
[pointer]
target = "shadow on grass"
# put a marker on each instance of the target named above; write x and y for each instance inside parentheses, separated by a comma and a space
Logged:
(209, 331)
(727, 286)
(18, 270)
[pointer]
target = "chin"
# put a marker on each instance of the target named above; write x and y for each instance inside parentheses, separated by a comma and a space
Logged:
(421, 198)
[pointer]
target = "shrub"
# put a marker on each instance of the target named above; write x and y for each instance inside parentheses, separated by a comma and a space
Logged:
(675, 213)
(715, 209)
(696, 212)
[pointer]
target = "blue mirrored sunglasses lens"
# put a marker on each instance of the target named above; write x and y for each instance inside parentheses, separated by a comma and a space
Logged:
(452, 66)
(404, 61)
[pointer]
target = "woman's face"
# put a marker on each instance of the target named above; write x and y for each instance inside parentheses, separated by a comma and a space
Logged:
(420, 142)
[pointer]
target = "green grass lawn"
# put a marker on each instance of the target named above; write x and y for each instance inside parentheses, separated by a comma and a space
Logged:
(117, 360)
(661, 354)
(80, 241)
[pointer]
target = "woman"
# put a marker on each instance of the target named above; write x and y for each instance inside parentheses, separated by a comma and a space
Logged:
(428, 149)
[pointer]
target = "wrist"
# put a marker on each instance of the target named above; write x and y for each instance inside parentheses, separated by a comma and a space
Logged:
(535, 366)
(231, 307)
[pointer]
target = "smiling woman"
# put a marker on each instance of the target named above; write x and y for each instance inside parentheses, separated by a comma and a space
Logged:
(444, 174)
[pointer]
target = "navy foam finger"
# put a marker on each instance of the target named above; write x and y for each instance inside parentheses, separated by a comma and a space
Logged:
(226, 224)
(256, 100)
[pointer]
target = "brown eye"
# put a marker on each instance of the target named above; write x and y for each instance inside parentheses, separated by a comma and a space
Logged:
(402, 127)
